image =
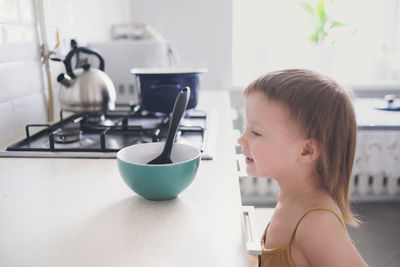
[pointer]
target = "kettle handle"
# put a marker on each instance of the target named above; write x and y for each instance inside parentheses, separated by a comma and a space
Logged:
(77, 50)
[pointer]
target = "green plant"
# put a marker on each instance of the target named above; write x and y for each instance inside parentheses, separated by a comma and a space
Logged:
(322, 21)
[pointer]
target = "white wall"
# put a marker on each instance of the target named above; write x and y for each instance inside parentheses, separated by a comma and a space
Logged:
(86, 21)
(21, 86)
(201, 31)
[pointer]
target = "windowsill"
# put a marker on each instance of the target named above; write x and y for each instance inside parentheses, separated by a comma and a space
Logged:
(375, 85)
(376, 89)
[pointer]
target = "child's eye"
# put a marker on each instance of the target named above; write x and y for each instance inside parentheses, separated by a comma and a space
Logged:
(255, 133)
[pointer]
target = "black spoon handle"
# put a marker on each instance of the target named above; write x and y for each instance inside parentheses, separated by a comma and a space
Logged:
(177, 113)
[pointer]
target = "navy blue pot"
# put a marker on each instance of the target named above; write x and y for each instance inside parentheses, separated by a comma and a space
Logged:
(158, 91)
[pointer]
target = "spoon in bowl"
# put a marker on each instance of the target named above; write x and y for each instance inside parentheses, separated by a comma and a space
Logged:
(177, 113)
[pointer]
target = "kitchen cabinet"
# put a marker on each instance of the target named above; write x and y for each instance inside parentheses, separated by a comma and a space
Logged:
(78, 212)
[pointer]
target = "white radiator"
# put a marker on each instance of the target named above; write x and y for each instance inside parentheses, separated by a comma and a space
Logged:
(363, 187)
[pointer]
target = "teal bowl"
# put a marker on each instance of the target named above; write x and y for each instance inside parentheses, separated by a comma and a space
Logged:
(158, 182)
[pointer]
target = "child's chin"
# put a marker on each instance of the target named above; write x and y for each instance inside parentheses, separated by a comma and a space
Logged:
(251, 172)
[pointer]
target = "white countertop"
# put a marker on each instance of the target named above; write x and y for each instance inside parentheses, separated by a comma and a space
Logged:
(369, 118)
(79, 212)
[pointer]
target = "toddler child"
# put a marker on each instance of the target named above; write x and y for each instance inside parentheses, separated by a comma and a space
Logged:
(301, 131)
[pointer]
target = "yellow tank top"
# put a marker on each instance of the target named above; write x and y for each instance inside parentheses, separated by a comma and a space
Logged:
(280, 257)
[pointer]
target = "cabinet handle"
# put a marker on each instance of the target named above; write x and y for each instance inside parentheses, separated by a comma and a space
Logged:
(253, 244)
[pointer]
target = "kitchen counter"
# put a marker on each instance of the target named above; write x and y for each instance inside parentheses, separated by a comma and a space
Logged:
(369, 118)
(79, 212)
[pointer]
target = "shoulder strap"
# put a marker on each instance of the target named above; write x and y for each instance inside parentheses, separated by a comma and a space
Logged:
(307, 212)
(264, 234)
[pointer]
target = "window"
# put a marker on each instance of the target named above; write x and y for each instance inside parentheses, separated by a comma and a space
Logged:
(353, 41)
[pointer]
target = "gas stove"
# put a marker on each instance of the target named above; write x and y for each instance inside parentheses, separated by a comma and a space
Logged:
(102, 135)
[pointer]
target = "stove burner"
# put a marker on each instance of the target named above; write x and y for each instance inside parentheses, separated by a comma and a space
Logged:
(95, 117)
(144, 139)
(99, 119)
(84, 142)
(67, 135)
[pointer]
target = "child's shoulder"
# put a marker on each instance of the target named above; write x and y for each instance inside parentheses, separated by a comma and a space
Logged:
(321, 220)
(322, 237)
(321, 226)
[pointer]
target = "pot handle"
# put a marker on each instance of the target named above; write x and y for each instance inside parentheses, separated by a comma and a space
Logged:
(165, 86)
(77, 50)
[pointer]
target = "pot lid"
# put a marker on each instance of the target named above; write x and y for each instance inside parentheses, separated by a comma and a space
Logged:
(167, 70)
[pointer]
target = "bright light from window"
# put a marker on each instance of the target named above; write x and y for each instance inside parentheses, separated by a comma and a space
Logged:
(353, 41)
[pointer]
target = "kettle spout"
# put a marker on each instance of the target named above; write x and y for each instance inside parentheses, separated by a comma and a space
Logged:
(65, 79)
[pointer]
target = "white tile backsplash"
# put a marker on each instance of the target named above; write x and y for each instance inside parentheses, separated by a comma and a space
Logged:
(28, 110)
(9, 11)
(2, 45)
(14, 34)
(13, 81)
(20, 43)
(21, 82)
(34, 76)
(6, 123)
(26, 11)
(31, 45)
(15, 43)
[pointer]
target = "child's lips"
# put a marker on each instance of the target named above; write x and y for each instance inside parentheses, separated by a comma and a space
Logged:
(249, 160)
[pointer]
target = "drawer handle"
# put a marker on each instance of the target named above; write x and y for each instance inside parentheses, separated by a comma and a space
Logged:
(253, 244)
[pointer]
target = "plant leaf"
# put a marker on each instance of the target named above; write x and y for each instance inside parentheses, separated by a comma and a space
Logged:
(321, 11)
(314, 37)
(307, 7)
(336, 23)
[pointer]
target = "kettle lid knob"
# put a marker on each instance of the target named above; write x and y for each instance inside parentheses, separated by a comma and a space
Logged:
(86, 66)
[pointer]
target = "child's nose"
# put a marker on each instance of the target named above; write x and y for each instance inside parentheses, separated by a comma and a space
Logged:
(241, 140)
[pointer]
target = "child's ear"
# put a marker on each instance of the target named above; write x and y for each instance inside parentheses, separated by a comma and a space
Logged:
(310, 151)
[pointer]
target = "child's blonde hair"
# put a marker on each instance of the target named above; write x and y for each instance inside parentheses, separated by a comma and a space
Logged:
(324, 112)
